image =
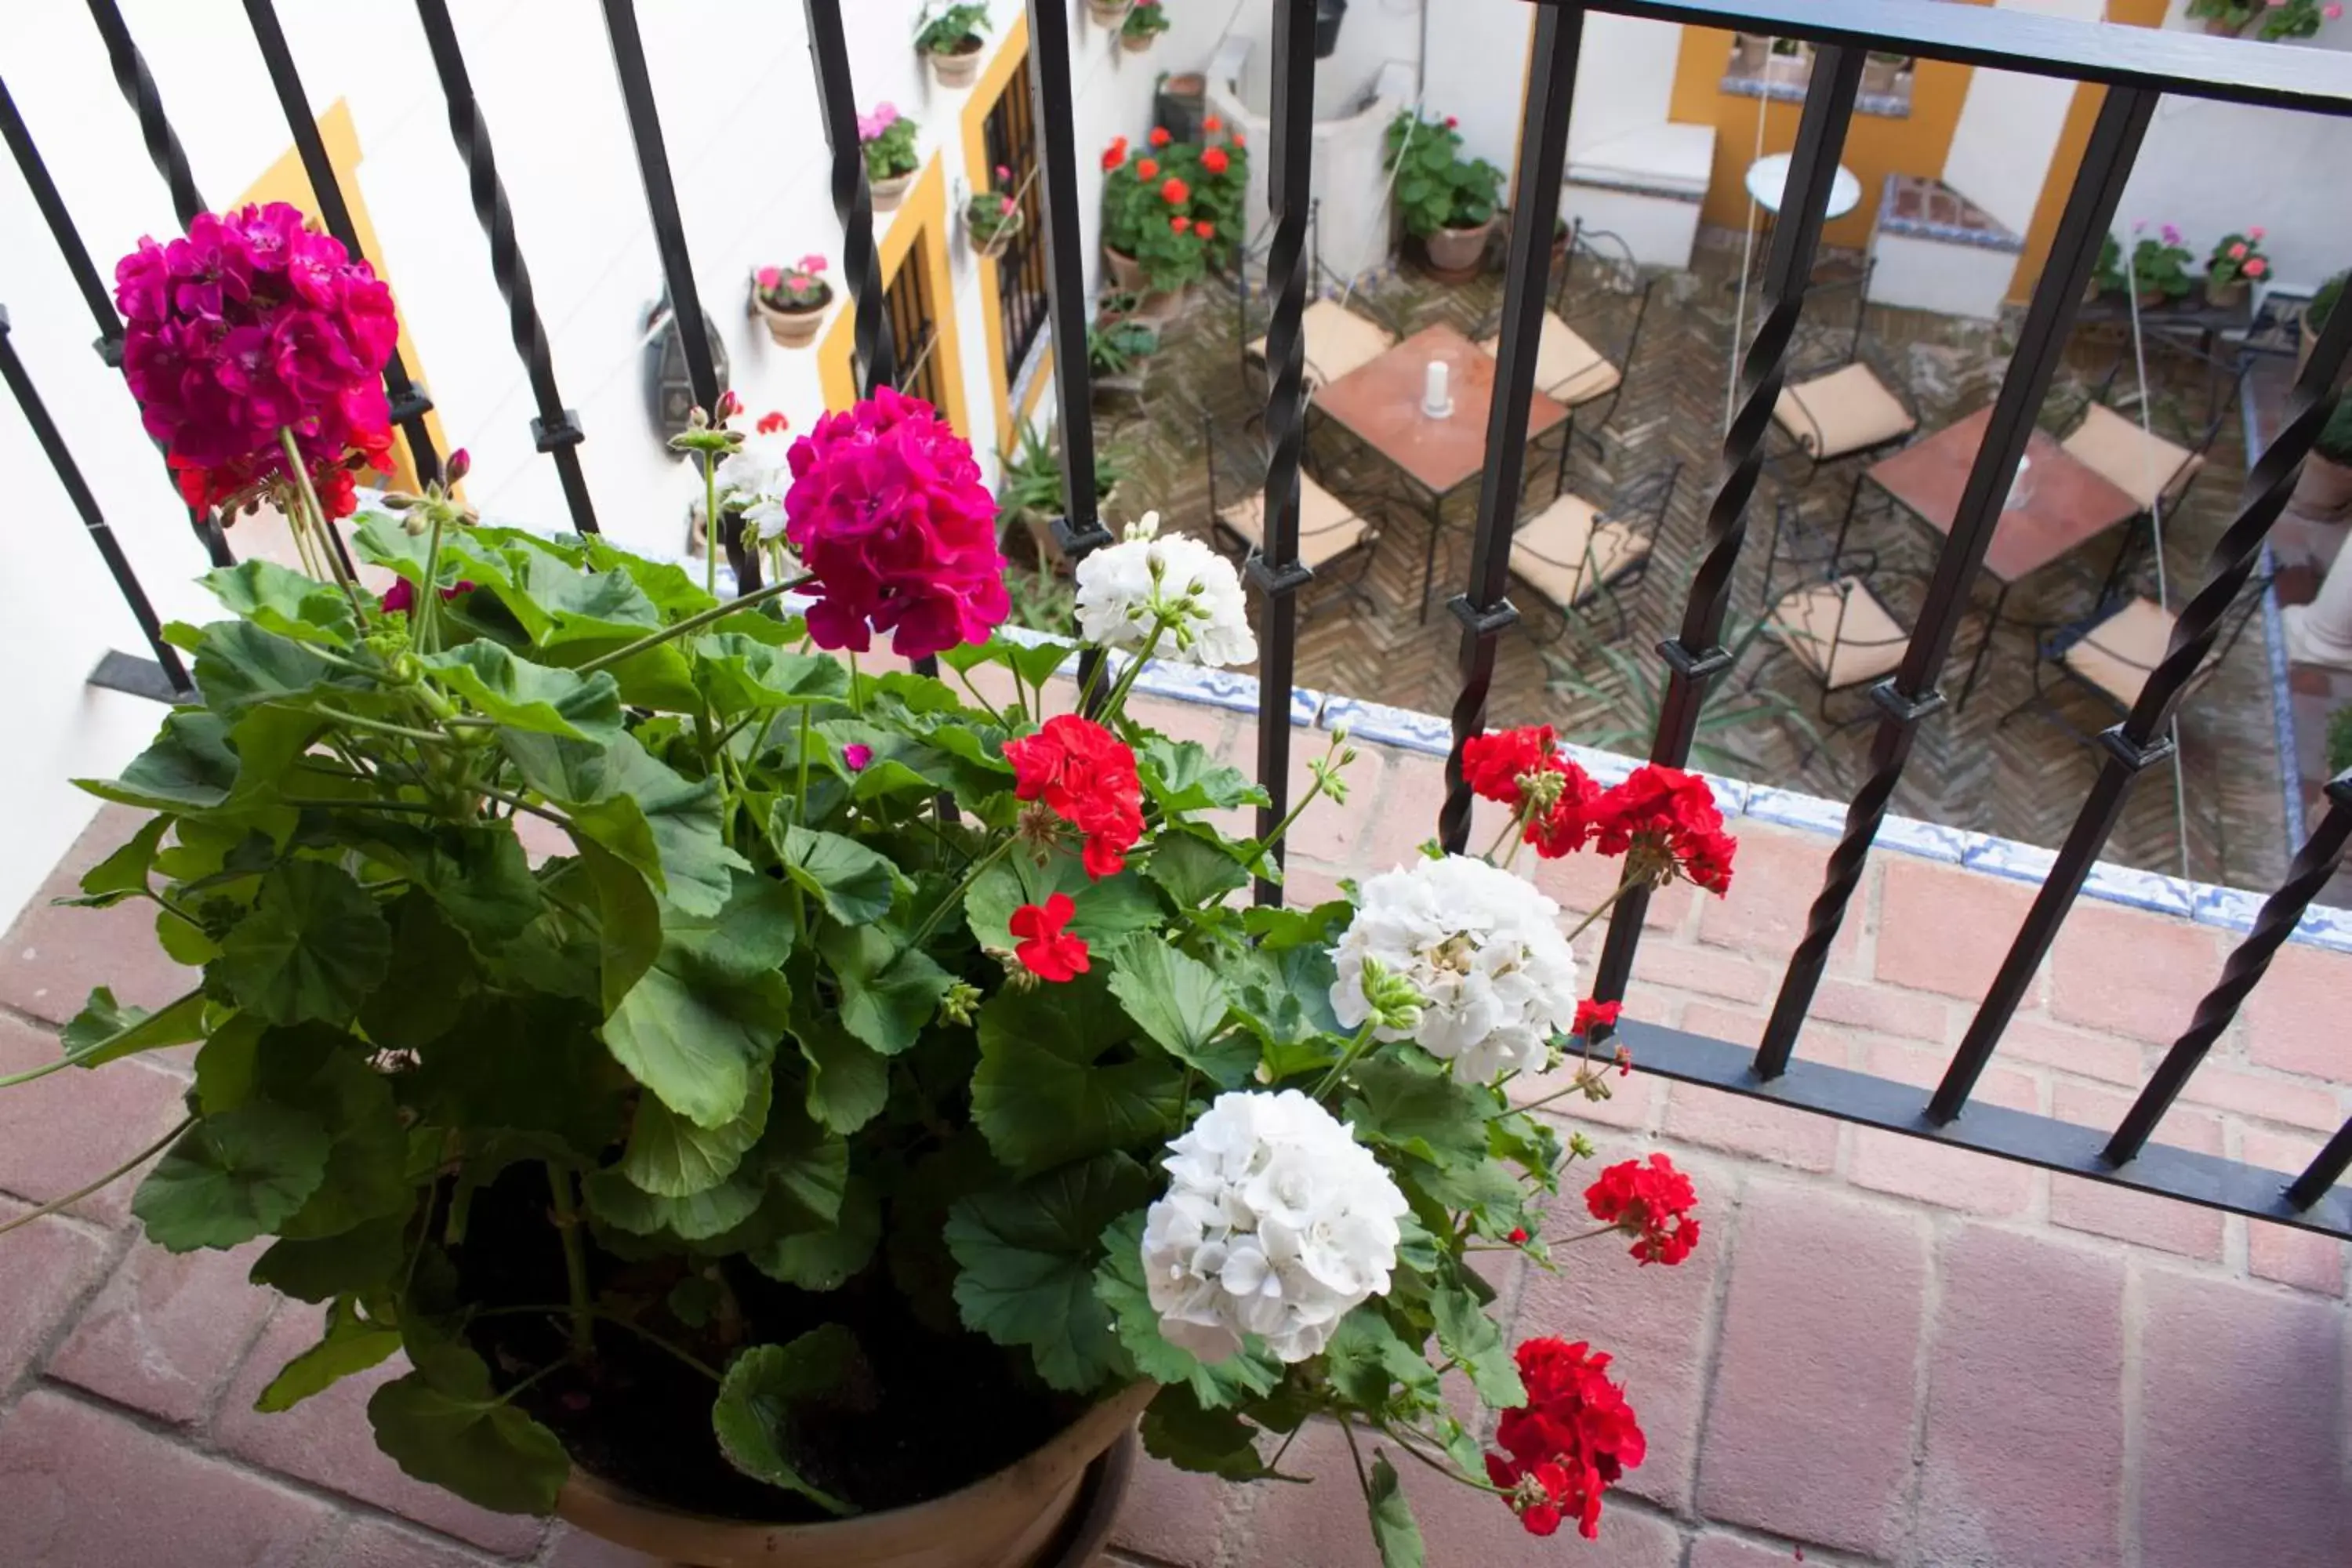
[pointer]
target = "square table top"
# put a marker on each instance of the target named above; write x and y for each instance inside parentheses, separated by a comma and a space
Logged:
(1380, 403)
(2070, 503)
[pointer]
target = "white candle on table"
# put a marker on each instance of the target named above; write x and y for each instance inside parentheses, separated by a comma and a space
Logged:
(1437, 399)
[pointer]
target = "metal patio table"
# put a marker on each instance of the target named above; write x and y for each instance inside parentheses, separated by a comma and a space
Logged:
(1380, 404)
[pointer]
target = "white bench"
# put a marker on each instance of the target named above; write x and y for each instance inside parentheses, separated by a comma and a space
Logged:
(1645, 187)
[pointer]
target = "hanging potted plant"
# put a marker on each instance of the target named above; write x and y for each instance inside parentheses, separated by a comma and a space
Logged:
(1882, 73)
(950, 40)
(2237, 261)
(1329, 15)
(1143, 27)
(888, 139)
(1748, 52)
(2159, 269)
(992, 216)
(1108, 12)
(2225, 18)
(791, 300)
(780, 1166)
(1447, 201)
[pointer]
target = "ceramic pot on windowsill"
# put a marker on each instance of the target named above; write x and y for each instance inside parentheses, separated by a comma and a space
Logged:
(888, 193)
(1052, 1508)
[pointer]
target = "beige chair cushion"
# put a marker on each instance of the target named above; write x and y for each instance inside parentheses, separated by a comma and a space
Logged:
(1845, 411)
(1338, 340)
(2120, 653)
(1867, 645)
(1567, 369)
(2144, 465)
(1567, 551)
(1327, 528)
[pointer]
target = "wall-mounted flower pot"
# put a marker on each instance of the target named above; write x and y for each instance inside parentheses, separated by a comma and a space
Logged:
(889, 193)
(1881, 78)
(1457, 254)
(1109, 13)
(1329, 15)
(992, 243)
(1137, 43)
(2323, 491)
(790, 329)
(959, 68)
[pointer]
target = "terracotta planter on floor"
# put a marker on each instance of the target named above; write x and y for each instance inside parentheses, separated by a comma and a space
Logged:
(790, 329)
(888, 194)
(1455, 254)
(1025, 1516)
(2324, 493)
(959, 68)
(1126, 271)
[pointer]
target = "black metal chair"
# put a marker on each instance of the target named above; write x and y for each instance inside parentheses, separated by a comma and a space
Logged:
(1588, 373)
(1335, 541)
(1827, 615)
(1838, 400)
(2110, 654)
(1572, 552)
(1340, 337)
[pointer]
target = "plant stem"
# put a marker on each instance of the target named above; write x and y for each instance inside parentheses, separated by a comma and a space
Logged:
(74, 1058)
(932, 922)
(1399, 1436)
(709, 525)
(856, 690)
(1602, 908)
(692, 623)
(124, 1169)
(407, 732)
(576, 1261)
(1264, 846)
(599, 1314)
(1117, 700)
(1575, 1088)
(519, 803)
(1347, 1059)
(428, 604)
(318, 517)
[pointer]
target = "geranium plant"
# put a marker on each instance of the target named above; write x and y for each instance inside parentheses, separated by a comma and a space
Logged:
(952, 29)
(797, 288)
(993, 215)
(2159, 265)
(1175, 205)
(704, 1055)
(2237, 258)
(1145, 23)
(2281, 20)
(1437, 187)
(888, 139)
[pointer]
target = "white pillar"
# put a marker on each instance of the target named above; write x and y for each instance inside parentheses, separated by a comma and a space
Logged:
(2321, 632)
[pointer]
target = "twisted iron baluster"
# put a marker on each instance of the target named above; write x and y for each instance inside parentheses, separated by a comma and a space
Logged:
(2314, 864)
(138, 85)
(555, 429)
(1911, 695)
(853, 198)
(1695, 655)
(2142, 739)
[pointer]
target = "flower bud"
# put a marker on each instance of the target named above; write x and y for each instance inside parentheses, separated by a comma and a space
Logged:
(460, 464)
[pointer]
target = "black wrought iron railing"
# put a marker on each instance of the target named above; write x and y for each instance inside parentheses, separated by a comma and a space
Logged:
(2133, 68)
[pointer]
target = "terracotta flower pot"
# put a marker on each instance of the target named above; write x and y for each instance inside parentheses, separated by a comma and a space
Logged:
(2153, 299)
(2221, 27)
(888, 194)
(993, 242)
(1454, 254)
(1109, 13)
(1880, 79)
(1126, 271)
(2225, 296)
(790, 329)
(1137, 43)
(1010, 1520)
(2324, 493)
(958, 69)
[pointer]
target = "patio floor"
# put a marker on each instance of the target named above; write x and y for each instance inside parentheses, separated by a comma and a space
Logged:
(1884, 1354)
(2024, 780)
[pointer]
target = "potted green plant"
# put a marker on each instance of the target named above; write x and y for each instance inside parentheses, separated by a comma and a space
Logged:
(1748, 51)
(2159, 268)
(2225, 18)
(1143, 27)
(791, 300)
(887, 138)
(993, 216)
(1029, 492)
(1171, 211)
(1446, 200)
(1117, 345)
(2106, 273)
(2237, 261)
(950, 37)
(1108, 12)
(1882, 73)
(760, 1160)
(2315, 316)
(2323, 492)
(2287, 19)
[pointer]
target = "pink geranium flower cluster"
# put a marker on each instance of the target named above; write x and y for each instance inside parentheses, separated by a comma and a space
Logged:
(249, 325)
(889, 516)
(869, 126)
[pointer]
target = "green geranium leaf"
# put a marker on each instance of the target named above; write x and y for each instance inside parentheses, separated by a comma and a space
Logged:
(712, 1212)
(888, 991)
(525, 696)
(670, 1157)
(380, 540)
(1120, 1285)
(825, 1259)
(1410, 1103)
(849, 1080)
(1026, 1260)
(455, 1432)
(314, 946)
(1179, 1429)
(241, 666)
(750, 935)
(325, 1074)
(643, 813)
(1277, 930)
(1043, 1094)
(1367, 1358)
(673, 589)
(1286, 1001)
(1184, 777)
(352, 1345)
(1393, 1528)
(1102, 911)
(628, 925)
(696, 1043)
(1179, 1002)
(287, 603)
(1196, 872)
(358, 1262)
(123, 874)
(1466, 1335)
(431, 979)
(232, 1177)
(765, 1396)
(105, 1030)
(854, 884)
(742, 674)
(190, 767)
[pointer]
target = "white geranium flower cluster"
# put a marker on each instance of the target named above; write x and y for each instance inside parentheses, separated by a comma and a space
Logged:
(1484, 950)
(1146, 580)
(1277, 1223)
(755, 476)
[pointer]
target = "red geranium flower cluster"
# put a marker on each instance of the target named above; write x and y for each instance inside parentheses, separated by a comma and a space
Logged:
(1519, 768)
(1086, 776)
(1571, 1440)
(1046, 948)
(888, 512)
(1115, 155)
(1667, 823)
(1592, 1015)
(250, 325)
(1652, 1203)
(1216, 160)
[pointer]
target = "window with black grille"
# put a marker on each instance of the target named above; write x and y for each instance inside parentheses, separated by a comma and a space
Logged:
(914, 330)
(1012, 141)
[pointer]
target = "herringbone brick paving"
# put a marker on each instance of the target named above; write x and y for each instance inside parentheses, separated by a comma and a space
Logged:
(2024, 780)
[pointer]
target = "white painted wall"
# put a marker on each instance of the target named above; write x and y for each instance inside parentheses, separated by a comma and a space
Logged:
(1624, 79)
(739, 111)
(2009, 128)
